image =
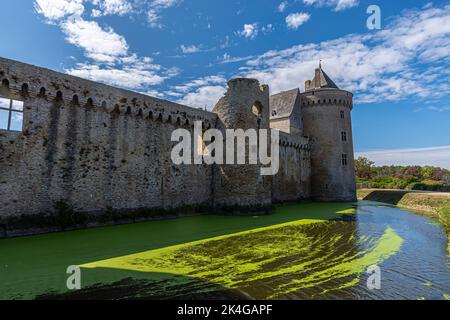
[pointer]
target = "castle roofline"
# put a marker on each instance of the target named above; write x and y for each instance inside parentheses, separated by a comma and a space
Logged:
(320, 81)
(282, 104)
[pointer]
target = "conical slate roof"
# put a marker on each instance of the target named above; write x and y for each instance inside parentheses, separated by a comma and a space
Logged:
(320, 80)
(325, 81)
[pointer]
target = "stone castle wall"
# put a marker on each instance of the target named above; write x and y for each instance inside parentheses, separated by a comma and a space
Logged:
(95, 148)
(293, 179)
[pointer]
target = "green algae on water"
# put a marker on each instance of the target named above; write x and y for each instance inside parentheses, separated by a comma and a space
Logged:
(304, 254)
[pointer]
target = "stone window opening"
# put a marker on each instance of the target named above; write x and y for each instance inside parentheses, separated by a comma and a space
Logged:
(11, 114)
(75, 100)
(344, 136)
(5, 83)
(342, 114)
(89, 102)
(42, 92)
(257, 110)
(344, 160)
(24, 90)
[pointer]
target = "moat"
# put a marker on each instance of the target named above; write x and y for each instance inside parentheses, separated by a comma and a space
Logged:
(303, 251)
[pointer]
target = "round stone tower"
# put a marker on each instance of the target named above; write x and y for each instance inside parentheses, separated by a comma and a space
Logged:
(244, 106)
(327, 121)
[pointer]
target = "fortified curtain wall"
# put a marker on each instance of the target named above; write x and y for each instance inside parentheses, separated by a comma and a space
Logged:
(96, 148)
(93, 147)
(293, 179)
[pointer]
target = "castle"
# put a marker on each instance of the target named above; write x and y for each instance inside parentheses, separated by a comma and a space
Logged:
(94, 147)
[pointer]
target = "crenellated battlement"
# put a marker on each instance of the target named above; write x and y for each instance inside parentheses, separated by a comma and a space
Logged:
(296, 142)
(26, 82)
(327, 98)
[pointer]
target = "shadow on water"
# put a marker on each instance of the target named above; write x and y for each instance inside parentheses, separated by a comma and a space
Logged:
(391, 196)
(155, 286)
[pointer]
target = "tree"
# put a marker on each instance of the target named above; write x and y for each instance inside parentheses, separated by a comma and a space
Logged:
(364, 168)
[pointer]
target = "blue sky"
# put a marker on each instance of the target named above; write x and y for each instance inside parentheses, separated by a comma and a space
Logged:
(186, 50)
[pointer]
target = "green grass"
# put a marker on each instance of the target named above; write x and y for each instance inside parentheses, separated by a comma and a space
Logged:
(36, 265)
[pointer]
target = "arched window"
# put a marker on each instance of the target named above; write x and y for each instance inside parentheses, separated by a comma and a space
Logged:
(5, 83)
(42, 92)
(342, 114)
(344, 136)
(24, 89)
(75, 99)
(257, 110)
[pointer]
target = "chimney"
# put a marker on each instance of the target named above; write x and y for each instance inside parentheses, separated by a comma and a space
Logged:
(317, 79)
(307, 85)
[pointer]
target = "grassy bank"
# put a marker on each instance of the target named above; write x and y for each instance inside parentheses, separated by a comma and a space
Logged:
(433, 204)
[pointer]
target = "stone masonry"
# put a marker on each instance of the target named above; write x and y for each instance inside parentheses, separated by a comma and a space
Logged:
(95, 147)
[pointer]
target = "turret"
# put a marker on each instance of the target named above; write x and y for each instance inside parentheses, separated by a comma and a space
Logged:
(245, 106)
(326, 113)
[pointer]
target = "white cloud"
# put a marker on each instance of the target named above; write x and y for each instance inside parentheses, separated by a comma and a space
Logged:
(164, 3)
(295, 20)
(389, 65)
(268, 28)
(282, 6)
(108, 58)
(201, 92)
(392, 64)
(153, 19)
(103, 45)
(249, 31)
(190, 49)
(55, 10)
(155, 7)
(338, 5)
(111, 7)
(196, 83)
(439, 109)
(434, 156)
(204, 97)
(130, 77)
(226, 58)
